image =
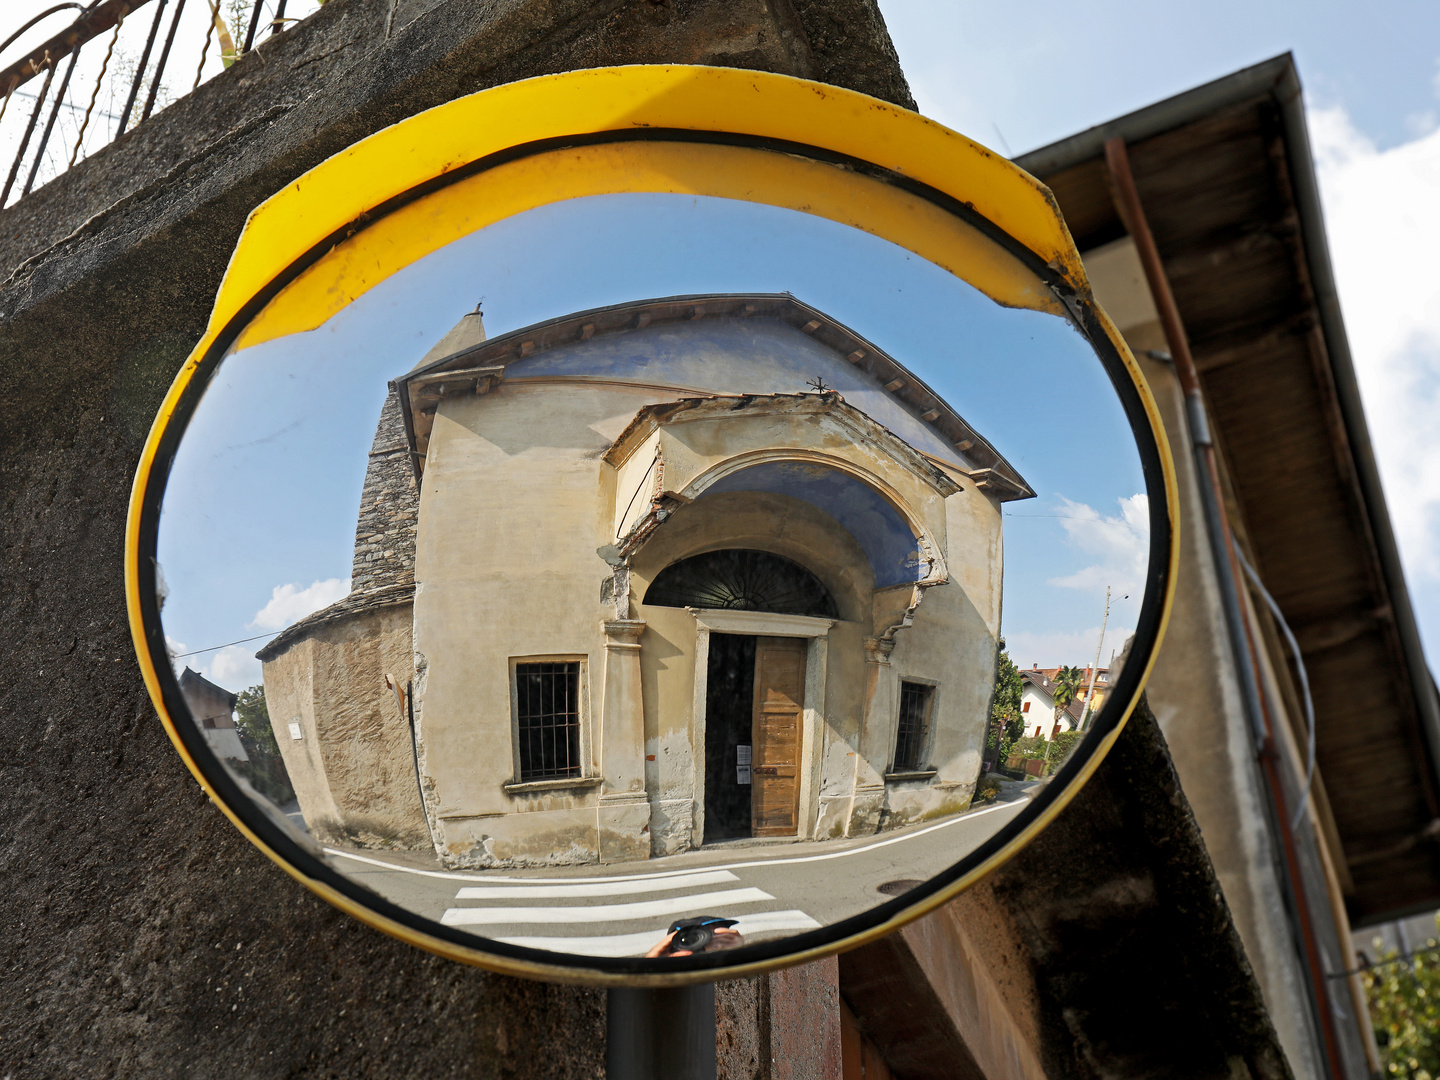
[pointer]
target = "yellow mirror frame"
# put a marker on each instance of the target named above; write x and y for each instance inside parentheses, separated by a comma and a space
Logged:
(389, 200)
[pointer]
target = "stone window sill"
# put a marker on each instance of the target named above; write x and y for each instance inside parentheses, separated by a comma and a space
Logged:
(561, 784)
(917, 774)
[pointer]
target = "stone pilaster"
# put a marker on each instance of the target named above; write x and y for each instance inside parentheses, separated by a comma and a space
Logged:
(624, 812)
(877, 734)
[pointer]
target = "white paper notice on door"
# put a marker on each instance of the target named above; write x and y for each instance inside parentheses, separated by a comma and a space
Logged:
(742, 755)
(742, 774)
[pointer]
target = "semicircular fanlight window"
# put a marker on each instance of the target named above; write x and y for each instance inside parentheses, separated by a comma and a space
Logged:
(739, 579)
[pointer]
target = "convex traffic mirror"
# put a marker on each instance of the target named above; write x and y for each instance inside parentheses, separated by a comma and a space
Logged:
(623, 526)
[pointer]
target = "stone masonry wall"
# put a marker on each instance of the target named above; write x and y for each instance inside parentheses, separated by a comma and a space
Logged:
(389, 509)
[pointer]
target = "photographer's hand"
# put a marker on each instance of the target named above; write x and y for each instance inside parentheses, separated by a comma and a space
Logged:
(662, 947)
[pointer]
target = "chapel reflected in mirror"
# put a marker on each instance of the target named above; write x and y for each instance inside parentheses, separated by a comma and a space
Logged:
(666, 607)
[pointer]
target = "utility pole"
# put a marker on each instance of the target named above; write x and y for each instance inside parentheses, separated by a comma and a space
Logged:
(1095, 668)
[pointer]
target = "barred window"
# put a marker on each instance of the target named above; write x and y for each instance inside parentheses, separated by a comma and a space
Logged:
(547, 720)
(913, 726)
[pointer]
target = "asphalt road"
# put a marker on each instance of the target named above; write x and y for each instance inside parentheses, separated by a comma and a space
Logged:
(621, 909)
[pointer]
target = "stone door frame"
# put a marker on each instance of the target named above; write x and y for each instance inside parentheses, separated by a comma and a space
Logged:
(812, 719)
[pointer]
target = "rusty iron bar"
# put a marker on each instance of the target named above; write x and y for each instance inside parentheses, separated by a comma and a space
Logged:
(29, 130)
(95, 95)
(160, 64)
(39, 18)
(4, 105)
(58, 47)
(140, 69)
(214, 11)
(254, 23)
(50, 124)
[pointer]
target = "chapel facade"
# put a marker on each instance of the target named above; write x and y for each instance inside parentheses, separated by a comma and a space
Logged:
(672, 573)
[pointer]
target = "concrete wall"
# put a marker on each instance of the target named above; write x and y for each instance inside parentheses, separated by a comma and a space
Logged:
(146, 936)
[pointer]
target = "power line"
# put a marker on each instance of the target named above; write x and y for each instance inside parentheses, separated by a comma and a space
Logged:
(212, 648)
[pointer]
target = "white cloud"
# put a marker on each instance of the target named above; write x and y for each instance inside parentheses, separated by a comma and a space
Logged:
(290, 602)
(234, 667)
(1382, 215)
(1120, 545)
(1054, 648)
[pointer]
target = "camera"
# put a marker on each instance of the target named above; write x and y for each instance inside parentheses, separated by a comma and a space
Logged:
(694, 935)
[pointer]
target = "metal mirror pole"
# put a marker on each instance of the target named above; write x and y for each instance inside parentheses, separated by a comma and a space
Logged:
(661, 1034)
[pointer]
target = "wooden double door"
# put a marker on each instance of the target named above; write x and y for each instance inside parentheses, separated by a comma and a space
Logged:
(755, 698)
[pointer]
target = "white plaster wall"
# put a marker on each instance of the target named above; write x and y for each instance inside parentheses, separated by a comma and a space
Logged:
(515, 504)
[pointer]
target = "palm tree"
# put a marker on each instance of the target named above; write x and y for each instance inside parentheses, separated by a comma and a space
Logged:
(1067, 687)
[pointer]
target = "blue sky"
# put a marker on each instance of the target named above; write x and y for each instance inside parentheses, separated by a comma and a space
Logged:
(1371, 75)
(1372, 83)
(979, 66)
(284, 430)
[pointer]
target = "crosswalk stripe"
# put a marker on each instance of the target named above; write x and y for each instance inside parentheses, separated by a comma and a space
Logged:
(639, 944)
(582, 888)
(648, 909)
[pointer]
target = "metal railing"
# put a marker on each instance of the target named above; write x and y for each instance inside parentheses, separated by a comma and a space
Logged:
(77, 76)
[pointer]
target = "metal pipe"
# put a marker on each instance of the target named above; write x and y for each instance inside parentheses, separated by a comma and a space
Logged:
(160, 64)
(666, 1033)
(50, 124)
(1304, 679)
(1223, 551)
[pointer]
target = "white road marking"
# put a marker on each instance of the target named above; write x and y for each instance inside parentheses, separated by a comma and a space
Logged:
(582, 887)
(859, 849)
(639, 944)
(647, 909)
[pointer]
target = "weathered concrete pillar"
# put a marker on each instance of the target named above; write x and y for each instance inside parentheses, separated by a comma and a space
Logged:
(624, 810)
(876, 736)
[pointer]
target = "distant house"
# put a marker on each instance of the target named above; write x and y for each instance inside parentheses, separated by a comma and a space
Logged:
(1037, 705)
(213, 708)
(1094, 687)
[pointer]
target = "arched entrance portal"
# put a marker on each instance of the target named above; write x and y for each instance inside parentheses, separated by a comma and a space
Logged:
(754, 686)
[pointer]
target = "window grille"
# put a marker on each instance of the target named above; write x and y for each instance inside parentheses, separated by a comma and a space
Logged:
(547, 714)
(911, 731)
(740, 579)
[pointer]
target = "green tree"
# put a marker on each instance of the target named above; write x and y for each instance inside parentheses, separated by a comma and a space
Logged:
(1067, 687)
(1006, 723)
(1404, 999)
(266, 769)
(1061, 748)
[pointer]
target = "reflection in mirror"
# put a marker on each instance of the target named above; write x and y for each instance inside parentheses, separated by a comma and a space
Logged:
(728, 615)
